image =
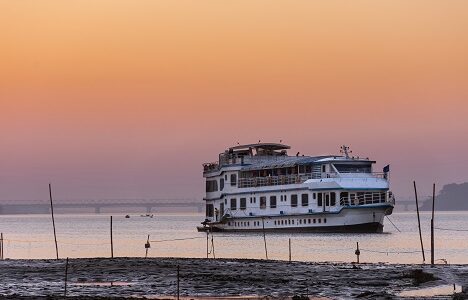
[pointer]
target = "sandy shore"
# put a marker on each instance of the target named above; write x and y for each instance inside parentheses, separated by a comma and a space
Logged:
(222, 278)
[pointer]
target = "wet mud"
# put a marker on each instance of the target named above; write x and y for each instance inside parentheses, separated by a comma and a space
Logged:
(156, 278)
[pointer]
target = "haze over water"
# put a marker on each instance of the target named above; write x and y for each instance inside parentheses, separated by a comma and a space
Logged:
(30, 236)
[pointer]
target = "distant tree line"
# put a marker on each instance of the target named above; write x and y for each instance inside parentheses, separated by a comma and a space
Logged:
(452, 197)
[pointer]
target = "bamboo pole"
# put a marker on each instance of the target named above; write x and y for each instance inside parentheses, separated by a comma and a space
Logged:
(1, 246)
(66, 278)
(419, 221)
(147, 246)
(111, 239)
(212, 243)
(264, 238)
(432, 225)
(289, 249)
(207, 243)
(53, 220)
(178, 282)
(357, 252)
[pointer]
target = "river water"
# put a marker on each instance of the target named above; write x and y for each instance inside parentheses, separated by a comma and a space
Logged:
(175, 235)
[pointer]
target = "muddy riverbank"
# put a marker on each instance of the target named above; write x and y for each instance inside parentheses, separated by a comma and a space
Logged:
(200, 278)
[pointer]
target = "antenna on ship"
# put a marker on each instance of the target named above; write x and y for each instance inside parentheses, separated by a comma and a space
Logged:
(345, 150)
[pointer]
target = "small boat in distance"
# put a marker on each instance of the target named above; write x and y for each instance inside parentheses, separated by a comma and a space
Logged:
(259, 187)
(147, 216)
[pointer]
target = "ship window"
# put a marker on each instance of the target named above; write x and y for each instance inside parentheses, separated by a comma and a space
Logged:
(305, 199)
(221, 184)
(327, 199)
(315, 221)
(233, 179)
(225, 176)
(211, 186)
(332, 198)
(263, 202)
(285, 198)
(309, 221)
(272, 201)
(293, 222)
(225, 201)
(324, 220)
(294, 200)
(233, 204)
(243, 203)
(314, 196)
(209, 210)
(300, 221)
(344, 198)
(354, 168)
(320, 220)
(250, 199)
(289, 222)
(319, 199)
(323, 168)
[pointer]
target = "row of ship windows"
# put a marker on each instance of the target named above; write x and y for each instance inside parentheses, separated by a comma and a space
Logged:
(280, 222)
(212, 185)
(329, 199)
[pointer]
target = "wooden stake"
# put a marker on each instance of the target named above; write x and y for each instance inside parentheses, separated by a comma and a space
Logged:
(178, 282)
(212, 243)
(432, 225)
(207, 243)
(111, 239)
(53, 220)
(147, 246)
(357, 252)
(1, 246)
(289, 249)
(264, 238)
(419, 221)
(66, 278)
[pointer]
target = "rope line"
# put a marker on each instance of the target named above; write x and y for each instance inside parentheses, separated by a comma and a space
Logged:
(183, 239)
(378, 251)
(450, 229)
(392, 223)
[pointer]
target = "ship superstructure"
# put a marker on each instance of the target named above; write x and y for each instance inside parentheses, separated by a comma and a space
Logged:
(260, 187)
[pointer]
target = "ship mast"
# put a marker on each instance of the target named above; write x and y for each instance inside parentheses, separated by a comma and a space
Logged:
(345, 150)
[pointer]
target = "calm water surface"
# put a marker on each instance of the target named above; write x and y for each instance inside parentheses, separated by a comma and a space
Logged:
(31, 236)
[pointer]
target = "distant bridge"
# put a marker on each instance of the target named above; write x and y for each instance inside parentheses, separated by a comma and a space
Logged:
(41, 206)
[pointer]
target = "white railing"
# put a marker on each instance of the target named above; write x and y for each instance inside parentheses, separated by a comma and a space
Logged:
(363, 198)
(276, 180)
(301, 178)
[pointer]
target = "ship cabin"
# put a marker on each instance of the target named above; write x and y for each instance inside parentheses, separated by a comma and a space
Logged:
(262, 179)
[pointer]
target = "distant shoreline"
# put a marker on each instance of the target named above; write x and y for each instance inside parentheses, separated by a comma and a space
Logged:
(157, 278)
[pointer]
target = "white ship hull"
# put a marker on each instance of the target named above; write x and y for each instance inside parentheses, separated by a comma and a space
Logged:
(364, 219)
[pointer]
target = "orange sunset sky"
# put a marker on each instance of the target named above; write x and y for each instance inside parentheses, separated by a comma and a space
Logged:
(124, 98)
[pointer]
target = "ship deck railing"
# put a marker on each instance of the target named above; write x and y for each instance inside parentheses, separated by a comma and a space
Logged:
(364, 198)
(300, 178)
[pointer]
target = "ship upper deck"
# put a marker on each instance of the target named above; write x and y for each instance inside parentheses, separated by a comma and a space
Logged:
(261, 156)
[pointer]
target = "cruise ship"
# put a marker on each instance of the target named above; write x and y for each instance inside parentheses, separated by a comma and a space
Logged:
(259, 187)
